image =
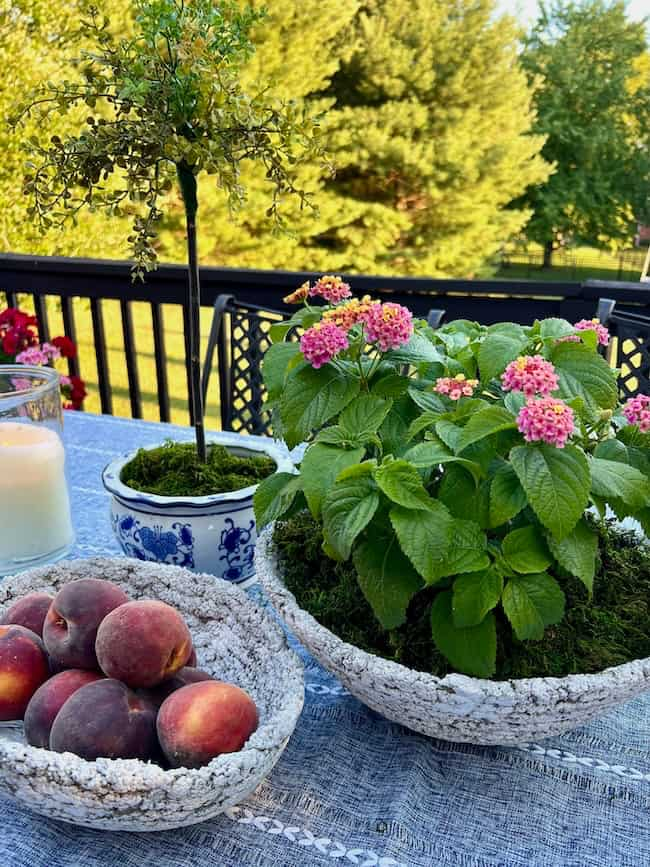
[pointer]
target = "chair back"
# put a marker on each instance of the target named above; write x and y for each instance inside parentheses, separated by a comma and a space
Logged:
(629, 347)
(240, 336)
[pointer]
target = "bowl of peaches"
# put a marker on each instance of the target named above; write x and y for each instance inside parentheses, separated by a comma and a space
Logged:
(136, 696)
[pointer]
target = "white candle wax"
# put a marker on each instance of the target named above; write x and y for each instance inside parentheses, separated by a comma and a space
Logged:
(34, 504)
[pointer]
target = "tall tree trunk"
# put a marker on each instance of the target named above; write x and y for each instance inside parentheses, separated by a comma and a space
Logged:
(548, 254)
(187, 180)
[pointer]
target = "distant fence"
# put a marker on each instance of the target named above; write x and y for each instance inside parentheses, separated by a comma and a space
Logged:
(107, 286)
(624, 265)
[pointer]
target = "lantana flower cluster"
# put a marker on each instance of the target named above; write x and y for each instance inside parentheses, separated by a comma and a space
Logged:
(455, 387)
(546, 419)
(388, 326)
(594, 325)
(19, 344)
(543, 418)
(637, 411)
(322, 342)
(530, 374)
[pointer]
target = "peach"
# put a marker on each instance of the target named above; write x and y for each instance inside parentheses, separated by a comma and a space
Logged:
(48, 700)
(29, 611)
(72, 622)
(191, 662)
(23, 668)
(105, 719)
(143, 643)
(187, 675)
(203, 720)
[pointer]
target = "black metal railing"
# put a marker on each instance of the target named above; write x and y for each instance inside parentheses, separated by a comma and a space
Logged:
(36, 280)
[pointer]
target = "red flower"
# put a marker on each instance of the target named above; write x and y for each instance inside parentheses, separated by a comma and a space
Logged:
(10, 343)
(65, 346)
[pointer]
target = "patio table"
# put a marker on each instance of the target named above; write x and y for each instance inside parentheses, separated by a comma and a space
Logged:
(355, 789)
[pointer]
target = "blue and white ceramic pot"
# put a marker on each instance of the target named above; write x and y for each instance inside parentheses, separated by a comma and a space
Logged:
(214, 534)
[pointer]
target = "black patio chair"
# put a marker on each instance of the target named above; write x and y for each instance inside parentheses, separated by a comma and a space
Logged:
(240, 336)
(435, 317)
(630, 351)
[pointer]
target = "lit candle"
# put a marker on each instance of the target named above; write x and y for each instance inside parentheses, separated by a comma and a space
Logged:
(34, 504)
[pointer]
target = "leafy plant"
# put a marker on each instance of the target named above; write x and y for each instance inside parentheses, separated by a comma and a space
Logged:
(165, 105)
(462, 460)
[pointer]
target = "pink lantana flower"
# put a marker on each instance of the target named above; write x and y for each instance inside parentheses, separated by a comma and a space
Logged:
(34, 355)
(530, 374)
(332, 289)
(637, 411)
(455, 387)
(388, 325)
(594, 325)
(546, 419)
(320, 343)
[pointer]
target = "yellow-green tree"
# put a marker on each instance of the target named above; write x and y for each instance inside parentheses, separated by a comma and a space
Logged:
(428, 120)
(35, 45)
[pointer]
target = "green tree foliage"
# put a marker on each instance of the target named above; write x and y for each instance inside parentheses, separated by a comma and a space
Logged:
(35, 41)
(593, 105)
(428, 118)
(430, 137)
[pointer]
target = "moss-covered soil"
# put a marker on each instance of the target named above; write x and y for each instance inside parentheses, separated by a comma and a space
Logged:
(610, 629)
(174, 470)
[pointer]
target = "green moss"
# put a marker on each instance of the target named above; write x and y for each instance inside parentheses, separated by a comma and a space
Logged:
(174, 470)
(612, 628)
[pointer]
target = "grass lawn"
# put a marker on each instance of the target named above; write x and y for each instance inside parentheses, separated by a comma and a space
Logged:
(573, 265)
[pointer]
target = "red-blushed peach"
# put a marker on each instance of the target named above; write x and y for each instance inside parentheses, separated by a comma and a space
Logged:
(29, 611)
(48, 700)
(143, 643)
(204, 720)
(187, 675)
(72, 622)
(105, 719)
(23, 668)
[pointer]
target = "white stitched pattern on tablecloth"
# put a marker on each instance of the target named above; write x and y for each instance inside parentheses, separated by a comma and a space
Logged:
(303, 837)
(585, 761)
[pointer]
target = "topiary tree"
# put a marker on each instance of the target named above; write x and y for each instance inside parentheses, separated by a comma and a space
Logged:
(166, 105)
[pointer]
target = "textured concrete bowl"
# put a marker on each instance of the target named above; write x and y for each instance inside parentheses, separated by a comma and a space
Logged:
(234, 640)
(455, 707)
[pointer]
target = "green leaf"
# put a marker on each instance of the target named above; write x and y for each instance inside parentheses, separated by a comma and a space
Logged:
(583, 373)
(467, 549)
(525, 550)
(532, 602)
(311, 397)
(424, 537)
(507, 497)
(502, 345)
(392, 385)
(577, 552)
(449, 433)
(614, 480)
(402, 484)
(471, 650)
(274, 496)
(274, 366)
(552, 328)
(364, 415)
(418, 349)
(556, 482)
(349, 507)
(427, 400)
(483, 424)
(615, 450)
(432, 453)
(387, 579)
(320, 466)
(474, 595)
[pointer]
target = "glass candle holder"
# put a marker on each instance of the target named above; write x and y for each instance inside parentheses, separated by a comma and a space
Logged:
(35, 522)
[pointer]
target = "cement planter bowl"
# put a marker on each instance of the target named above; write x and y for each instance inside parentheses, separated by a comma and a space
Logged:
(214, 534)
(455, 707)
(235, 641)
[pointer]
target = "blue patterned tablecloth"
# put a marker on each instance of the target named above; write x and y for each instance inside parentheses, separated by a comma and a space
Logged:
(355, 789)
